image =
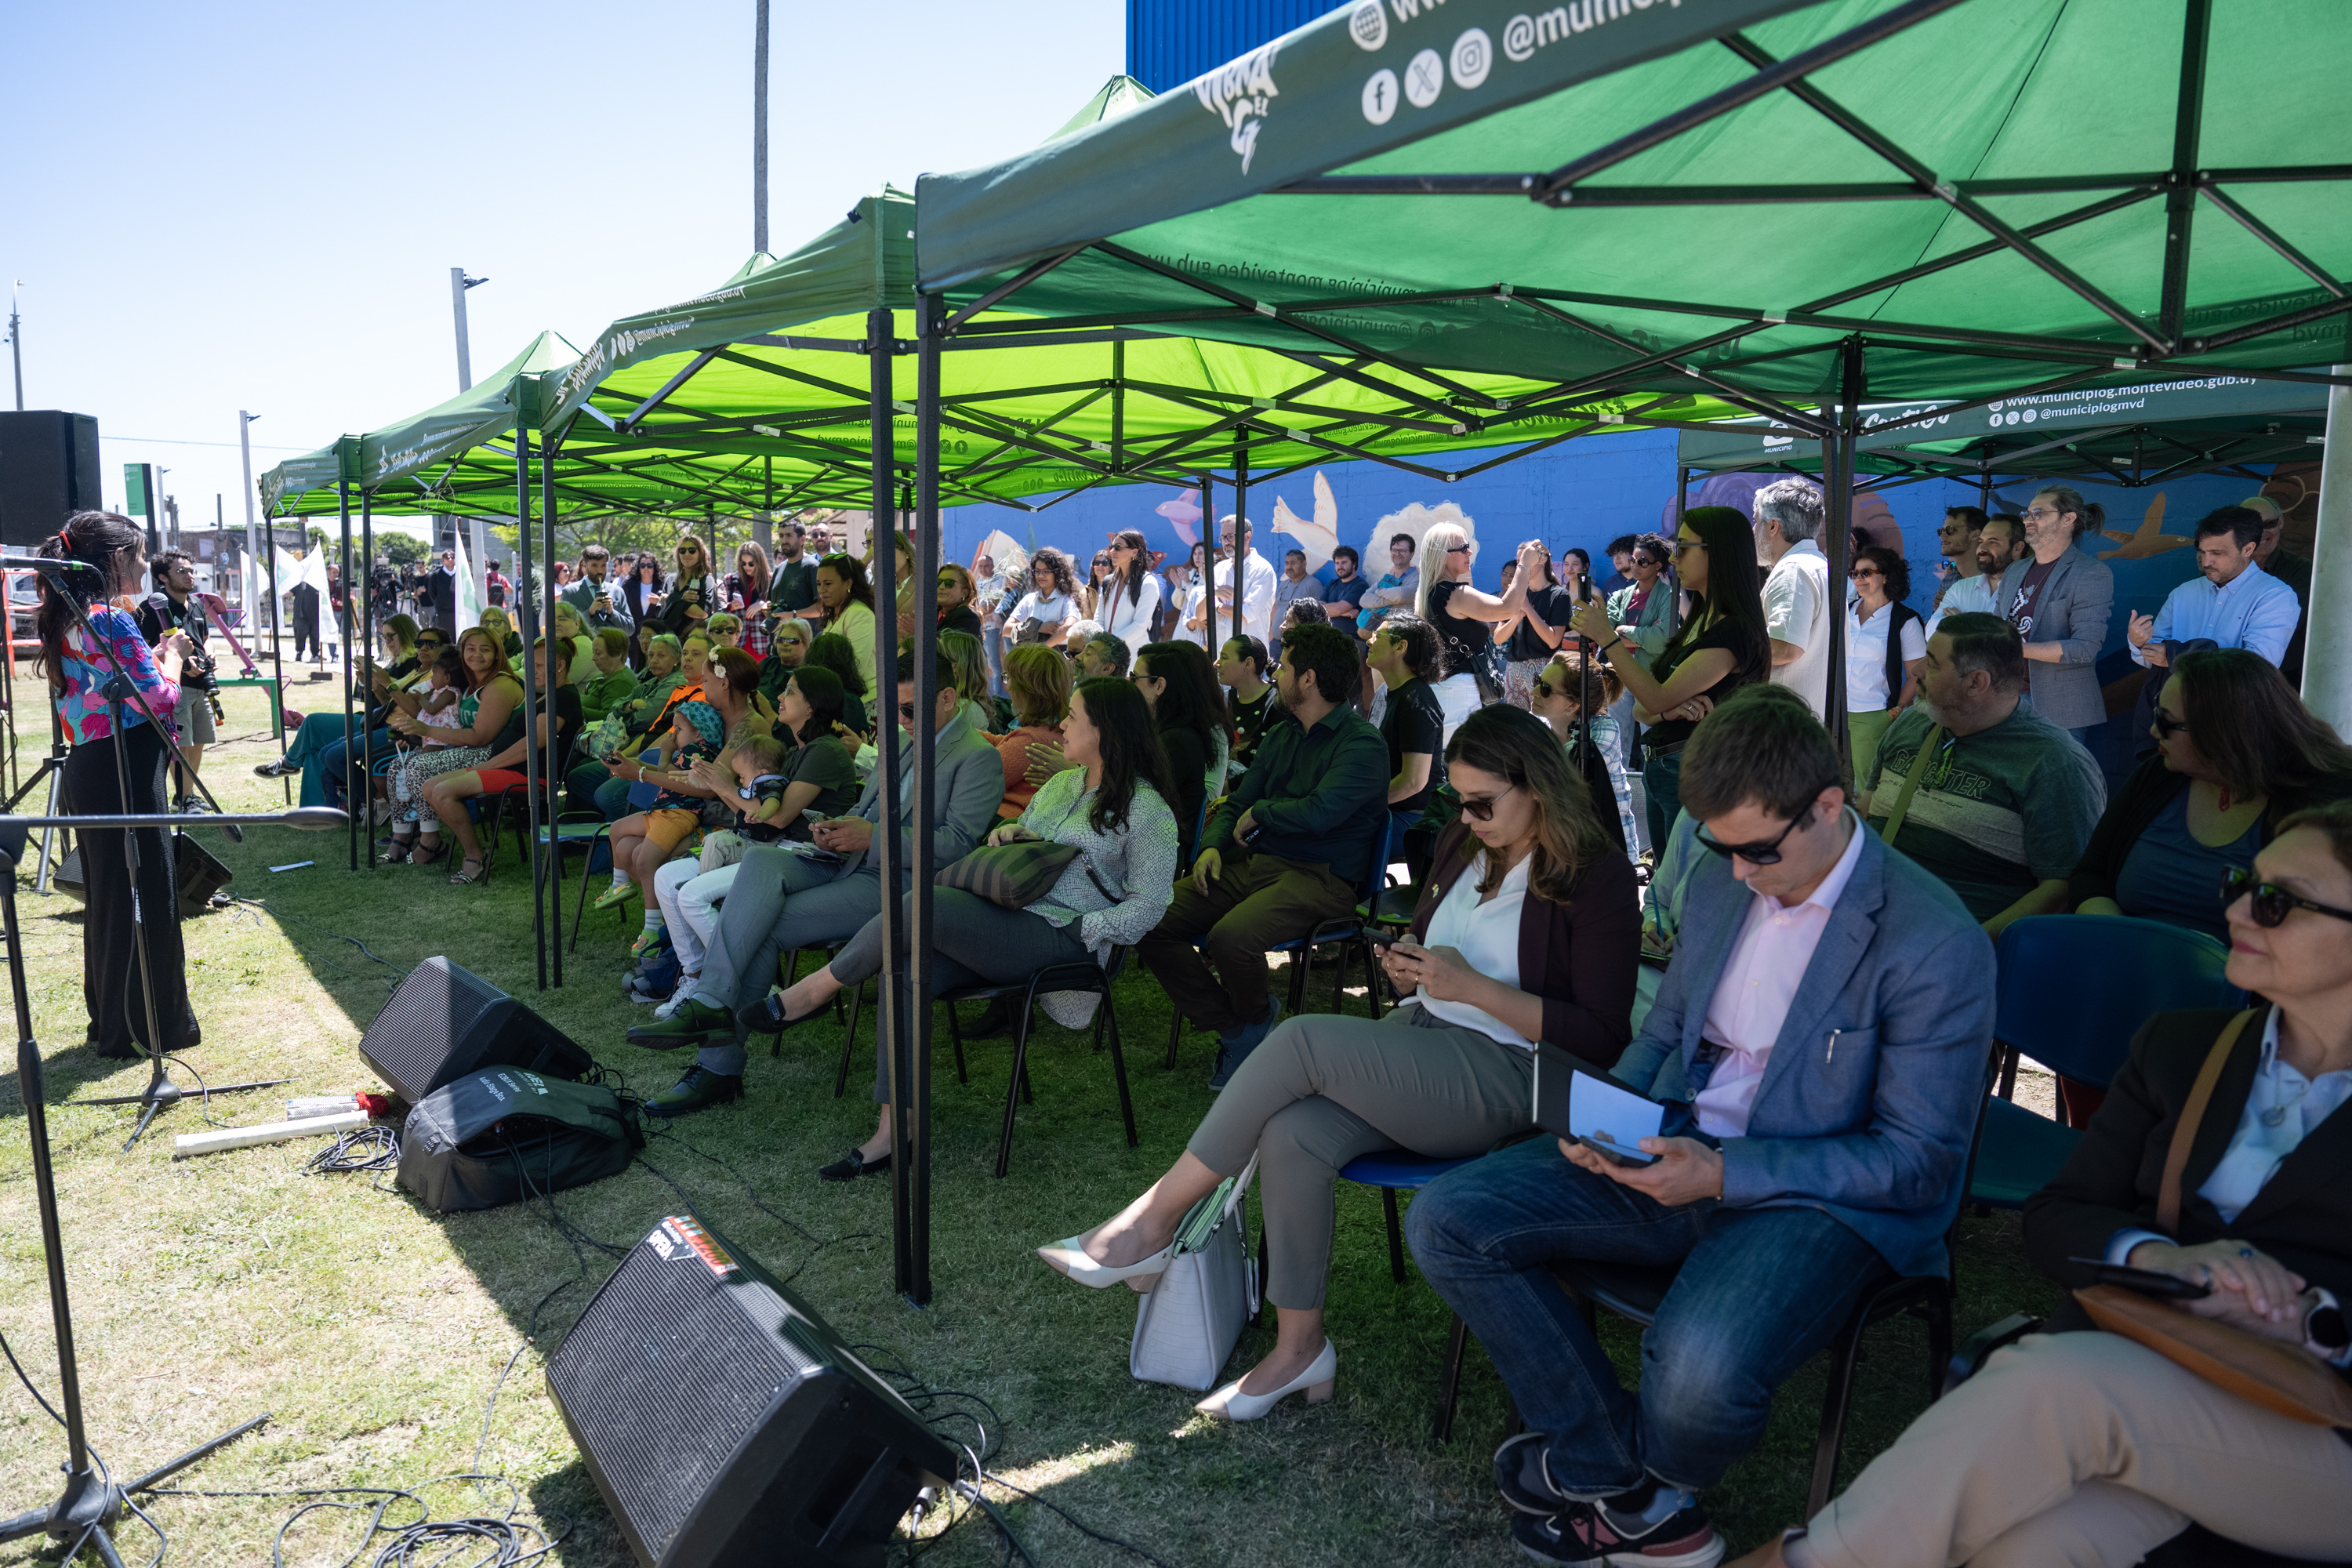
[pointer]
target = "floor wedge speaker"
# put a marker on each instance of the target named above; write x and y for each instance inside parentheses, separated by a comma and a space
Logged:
(446, 1022)
(726, 1425)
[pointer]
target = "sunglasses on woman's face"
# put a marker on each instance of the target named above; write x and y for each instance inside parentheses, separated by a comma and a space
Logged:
(1483, 810)
(2270, 904)
(1859, 572)
(2165, 725)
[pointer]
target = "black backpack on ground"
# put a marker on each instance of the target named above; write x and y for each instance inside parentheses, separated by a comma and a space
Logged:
(505, 1134)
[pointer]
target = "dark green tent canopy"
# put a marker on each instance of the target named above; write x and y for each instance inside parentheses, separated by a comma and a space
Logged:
(1980, 197)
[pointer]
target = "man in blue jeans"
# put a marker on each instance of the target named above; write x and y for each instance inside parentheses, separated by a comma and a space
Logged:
(1821, 1043)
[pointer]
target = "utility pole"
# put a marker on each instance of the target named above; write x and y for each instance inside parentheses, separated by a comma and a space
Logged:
(254, 565)
(16, 322)
(479, 533)
(759, 136)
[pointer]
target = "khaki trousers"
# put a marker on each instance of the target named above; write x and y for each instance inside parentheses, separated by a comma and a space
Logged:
(1260, 902)
(2085, 1450)
(1322, 1089)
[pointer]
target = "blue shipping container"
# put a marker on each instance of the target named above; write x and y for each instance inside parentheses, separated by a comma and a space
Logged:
(1170, 42)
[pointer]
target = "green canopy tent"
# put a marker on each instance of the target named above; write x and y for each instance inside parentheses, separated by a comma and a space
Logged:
(2129, 437)
(763, 368)
(1808, 208)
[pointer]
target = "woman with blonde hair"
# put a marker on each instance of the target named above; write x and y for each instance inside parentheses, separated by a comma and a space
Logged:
(963, 655)
(1527, 929)
(1464, 617)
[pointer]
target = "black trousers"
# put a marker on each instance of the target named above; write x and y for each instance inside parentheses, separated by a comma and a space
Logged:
(110, 959)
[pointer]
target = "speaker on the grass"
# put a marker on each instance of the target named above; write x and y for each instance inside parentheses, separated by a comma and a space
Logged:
(446, 1022)
(200, 875)
(726, 1423)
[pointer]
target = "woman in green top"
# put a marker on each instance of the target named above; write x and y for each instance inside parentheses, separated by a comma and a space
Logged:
(491, 694)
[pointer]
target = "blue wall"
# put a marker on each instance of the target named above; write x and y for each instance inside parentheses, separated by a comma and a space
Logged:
(1170, 42)
(1587, 491)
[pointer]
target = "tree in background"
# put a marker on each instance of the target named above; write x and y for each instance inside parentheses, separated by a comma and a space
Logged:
(400, 549)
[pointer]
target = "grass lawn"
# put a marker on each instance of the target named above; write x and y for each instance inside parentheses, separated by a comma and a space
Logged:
(212, 1290)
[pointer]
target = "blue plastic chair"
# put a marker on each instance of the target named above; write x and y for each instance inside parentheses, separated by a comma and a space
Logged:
(2071, 991)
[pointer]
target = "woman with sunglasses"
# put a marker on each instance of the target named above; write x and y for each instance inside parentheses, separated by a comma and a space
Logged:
(693, 589)
(318, 751)
(1465, 618)
(1884, 642)
(1562, 689)
(1526, 931)
(1131, 604)
(643, 591)
(2236, 753)
(745, 591)
(1721, 647)
(2075, 1446)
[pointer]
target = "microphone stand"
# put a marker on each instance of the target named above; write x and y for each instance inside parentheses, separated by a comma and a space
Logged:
(92, 1500)
(161, 1092)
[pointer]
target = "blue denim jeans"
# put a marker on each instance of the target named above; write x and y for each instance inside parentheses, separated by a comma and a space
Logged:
(327, 775)
(1760, 1290)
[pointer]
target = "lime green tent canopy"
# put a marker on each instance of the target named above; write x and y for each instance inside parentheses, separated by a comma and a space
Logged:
(773, 374)
(1788, 205)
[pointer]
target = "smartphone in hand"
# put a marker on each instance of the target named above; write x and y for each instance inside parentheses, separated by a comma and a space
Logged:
(2147, 1281)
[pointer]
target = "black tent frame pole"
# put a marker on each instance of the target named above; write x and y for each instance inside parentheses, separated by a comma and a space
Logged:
(343, 511)
(908, 1272)
(277, 654)
(530, 628)
(1209, 573)
(552, 860)
(1241, 537)
(913, 1165)
(1837, 516)
(364, 796)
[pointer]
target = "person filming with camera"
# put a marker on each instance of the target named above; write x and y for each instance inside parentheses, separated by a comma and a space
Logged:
(174, 608)
(112, 557)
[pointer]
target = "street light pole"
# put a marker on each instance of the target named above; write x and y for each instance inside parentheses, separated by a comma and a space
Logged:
(253, 561)
(758, 135)
(16, 322)
(480, 532)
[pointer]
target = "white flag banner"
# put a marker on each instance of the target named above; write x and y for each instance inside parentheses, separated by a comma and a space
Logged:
(469, 590)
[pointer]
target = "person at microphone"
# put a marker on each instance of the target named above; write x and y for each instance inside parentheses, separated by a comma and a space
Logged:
(113, 562)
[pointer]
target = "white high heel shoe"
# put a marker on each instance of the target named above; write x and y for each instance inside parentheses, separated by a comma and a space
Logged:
(1231, 1404)
(1069, 1256)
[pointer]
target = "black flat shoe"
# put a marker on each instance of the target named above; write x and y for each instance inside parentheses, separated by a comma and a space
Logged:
(851, 1166)
(767, 1018)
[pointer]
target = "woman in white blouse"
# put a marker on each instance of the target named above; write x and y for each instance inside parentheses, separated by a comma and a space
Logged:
(1528, 929)
(1884, 642)
(1131, 600)
(1047, 609)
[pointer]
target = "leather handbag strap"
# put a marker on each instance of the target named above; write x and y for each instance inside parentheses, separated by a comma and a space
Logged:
(2200, 1095)
(1911, 783)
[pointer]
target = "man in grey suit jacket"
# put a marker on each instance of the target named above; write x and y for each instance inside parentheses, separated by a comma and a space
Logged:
(782, 901)
(1821, 1043)
(2059, 600)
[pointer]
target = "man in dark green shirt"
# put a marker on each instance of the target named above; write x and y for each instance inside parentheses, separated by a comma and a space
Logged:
(1285, 853)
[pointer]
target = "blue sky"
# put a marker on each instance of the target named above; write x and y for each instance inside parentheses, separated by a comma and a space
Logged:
(217, 205)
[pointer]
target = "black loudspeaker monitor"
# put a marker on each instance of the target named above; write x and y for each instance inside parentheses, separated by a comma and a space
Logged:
(48, 471)
(726, 1423)
(446, 1022)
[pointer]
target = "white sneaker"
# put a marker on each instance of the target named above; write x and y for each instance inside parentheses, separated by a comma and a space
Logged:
(677, 999)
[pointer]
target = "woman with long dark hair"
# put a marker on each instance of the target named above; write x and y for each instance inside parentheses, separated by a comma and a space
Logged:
(1131, 602)
(100, 781)
(2236, 753)
(552, 727)
(1527, 929)
(847, 600)
(1722, 647)
(745, 591)
(1176, 680)
(1048, 608)
(489, 697)
(643, 590)
(1112, 806)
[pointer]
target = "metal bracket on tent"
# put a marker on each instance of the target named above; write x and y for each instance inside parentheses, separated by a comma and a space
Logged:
(1263, 309)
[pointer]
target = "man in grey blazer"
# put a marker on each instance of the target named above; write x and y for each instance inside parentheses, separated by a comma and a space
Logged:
(2059, 600)
(782, 901)
(1821, 1043)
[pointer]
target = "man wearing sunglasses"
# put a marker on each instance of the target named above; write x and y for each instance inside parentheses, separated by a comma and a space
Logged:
(781, 902)
(1981, 790)
(1820, 1043)
(2061, 600)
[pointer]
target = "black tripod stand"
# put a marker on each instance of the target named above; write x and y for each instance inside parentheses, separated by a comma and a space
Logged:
(52, 768)
(161, 1092)
(92, 1500)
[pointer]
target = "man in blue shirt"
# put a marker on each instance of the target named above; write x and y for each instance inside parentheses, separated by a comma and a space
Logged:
(2233, 602)
(1283, 853)
(1345, 591)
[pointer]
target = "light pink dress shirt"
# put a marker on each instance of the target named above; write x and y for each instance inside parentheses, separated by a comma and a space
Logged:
(1759, 980)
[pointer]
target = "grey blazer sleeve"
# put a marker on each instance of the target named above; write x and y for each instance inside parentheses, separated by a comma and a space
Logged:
(2090, 603)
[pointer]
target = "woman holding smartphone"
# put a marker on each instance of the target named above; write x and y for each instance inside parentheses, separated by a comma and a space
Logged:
(1527, 929)
(2077, 1446)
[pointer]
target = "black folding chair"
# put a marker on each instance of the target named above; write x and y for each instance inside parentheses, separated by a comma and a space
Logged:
(1075, 976)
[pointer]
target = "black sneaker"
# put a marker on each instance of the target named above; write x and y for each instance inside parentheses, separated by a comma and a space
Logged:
(1594, 1535)
(699, 1090)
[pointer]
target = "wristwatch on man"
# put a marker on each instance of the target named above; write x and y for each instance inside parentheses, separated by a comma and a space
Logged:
(2326, 1335)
